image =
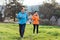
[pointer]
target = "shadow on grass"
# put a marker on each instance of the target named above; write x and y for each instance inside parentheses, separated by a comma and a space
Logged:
(26, 38)
(29, 37)
(19, 38)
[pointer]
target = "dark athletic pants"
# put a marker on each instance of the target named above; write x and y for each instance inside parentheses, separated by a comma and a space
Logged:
(22, 29)
(35, 27)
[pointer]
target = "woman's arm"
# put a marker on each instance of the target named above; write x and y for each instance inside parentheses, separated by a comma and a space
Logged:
(19, 16)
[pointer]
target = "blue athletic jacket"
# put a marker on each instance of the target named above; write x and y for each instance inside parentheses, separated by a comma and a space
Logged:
(22, 17)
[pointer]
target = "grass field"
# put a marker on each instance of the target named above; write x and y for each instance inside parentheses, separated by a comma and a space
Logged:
(9, 31)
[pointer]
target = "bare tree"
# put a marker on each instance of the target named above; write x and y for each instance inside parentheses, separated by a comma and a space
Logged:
(49, 9)
(12, 8)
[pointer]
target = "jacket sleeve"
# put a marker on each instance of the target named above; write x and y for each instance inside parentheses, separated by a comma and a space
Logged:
(19, 16)
(33, 18)
(38, 18)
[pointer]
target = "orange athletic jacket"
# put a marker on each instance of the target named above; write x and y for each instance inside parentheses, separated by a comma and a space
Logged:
(35, 19)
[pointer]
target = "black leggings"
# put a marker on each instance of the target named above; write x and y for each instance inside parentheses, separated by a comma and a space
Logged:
(22, 29)
(35, 27)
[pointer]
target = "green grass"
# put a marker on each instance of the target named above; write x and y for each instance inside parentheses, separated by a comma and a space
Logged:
(9, 31)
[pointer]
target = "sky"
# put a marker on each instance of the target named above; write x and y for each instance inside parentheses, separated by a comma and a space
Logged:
(1, 2)
(30, 2)
(33, 2)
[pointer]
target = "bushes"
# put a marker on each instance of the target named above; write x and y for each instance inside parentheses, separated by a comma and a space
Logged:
(44, 22)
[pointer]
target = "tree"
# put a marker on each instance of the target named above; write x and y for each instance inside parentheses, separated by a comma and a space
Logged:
(49, 9)
(12, 8)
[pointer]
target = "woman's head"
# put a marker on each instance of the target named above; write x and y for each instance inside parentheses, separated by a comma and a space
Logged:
(23, 9)
(36, 13)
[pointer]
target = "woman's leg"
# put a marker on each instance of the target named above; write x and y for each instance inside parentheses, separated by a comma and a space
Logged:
(23, 29)
(37, 28)
(33, 28)
(20, 29)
